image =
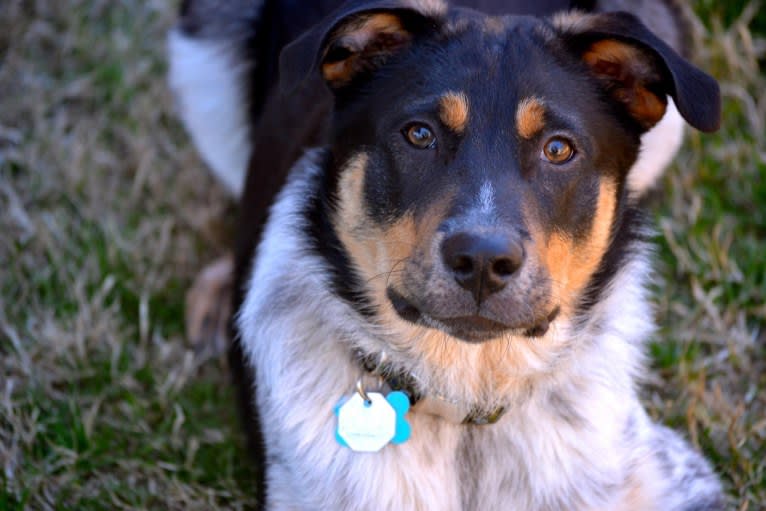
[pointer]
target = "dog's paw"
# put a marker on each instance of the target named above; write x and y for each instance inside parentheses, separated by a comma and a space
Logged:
(208, 308)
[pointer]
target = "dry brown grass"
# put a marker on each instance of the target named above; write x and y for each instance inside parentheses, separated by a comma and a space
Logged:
(710, 352)
(106, 214)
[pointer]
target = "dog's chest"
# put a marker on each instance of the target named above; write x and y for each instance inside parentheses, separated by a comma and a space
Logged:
(296, 336)
(443, 466)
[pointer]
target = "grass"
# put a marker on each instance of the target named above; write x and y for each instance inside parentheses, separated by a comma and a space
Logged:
(710, 353)
(107, 214)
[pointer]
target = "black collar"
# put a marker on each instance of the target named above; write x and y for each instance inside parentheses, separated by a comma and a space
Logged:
(397, 379)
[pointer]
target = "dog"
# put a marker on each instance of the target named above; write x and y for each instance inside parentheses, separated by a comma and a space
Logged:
(440, 277)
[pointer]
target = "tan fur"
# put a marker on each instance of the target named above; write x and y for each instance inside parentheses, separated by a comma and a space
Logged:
(371, 36)
(373, 249)
(499, 367)
(619, 61)
(453, 111)
(530, 117)
(208, 307)
(377, 253)
(350, 221)
(377, 249)
(570, 264)
(359, 37)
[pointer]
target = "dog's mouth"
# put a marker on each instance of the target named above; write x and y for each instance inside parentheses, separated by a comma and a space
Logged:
(474, 328)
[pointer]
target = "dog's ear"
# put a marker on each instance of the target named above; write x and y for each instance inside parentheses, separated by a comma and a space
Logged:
(356, 39)
(639, 70)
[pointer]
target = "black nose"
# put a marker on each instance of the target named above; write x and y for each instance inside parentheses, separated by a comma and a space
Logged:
(482, 263)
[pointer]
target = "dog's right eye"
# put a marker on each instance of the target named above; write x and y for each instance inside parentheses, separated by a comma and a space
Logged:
(420, 136)
(558, 150)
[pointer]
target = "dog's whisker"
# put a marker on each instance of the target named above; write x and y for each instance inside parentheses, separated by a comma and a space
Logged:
(387, 274)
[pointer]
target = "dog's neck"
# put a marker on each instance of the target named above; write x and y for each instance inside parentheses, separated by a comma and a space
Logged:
(397, 379)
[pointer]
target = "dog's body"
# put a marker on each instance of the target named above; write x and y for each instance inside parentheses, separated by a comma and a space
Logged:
(468, 232)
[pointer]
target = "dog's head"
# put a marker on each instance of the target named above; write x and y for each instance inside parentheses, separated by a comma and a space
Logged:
(478, 169)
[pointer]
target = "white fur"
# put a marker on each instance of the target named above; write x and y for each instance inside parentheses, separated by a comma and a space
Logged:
(487, 198)
(298, 337)
(659, 146)
(207, 79)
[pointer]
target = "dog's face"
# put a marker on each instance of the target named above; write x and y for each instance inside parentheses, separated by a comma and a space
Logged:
(479, 163)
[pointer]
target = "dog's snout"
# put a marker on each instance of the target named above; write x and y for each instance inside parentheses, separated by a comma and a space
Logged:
(482, 263)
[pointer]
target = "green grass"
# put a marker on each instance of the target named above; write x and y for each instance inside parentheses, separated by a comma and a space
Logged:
(107, 215)
(711, 214)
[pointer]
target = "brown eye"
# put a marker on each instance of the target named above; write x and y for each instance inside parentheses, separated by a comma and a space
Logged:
(558, 150)
(420, 136)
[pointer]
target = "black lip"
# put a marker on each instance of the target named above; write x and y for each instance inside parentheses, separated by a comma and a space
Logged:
(404, 308)
(467, 328)
(473, 328)
(542, 327)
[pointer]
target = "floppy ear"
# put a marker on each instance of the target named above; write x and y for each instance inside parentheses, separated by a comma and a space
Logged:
(639, 70)
(358, 38)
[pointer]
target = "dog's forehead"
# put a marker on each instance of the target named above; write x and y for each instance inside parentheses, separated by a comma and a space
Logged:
(462, 22)
(496, 40)
(490, 61)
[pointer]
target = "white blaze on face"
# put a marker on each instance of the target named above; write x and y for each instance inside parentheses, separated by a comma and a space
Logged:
(486, 198)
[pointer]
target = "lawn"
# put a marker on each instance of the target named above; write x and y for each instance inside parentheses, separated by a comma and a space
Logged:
(107, 213)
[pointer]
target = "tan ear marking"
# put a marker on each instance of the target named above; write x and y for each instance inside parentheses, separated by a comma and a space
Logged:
(628, 68)
(365, 40)
(530, 117)
(453, 111)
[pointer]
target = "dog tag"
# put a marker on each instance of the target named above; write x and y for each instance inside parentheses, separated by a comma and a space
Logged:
(366, 426)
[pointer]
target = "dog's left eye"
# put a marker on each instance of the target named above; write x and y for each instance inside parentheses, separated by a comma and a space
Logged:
(558, 150)
(420, 136)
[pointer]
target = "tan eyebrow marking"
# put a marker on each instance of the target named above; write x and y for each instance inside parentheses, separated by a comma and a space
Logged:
(453, 111)
(530, 117)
